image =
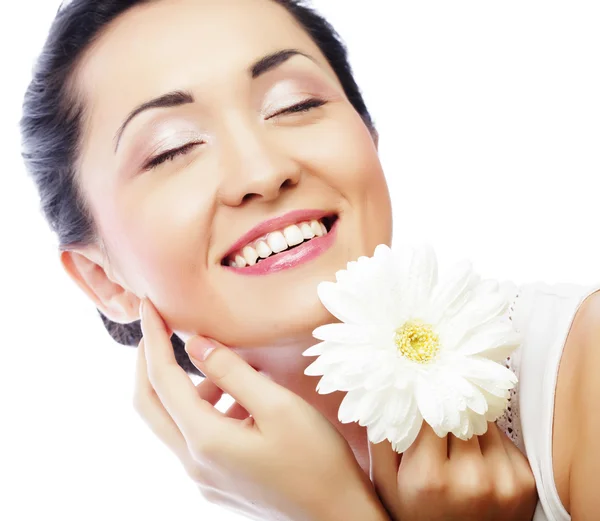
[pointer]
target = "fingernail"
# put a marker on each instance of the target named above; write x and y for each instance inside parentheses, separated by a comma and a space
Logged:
(199, 348)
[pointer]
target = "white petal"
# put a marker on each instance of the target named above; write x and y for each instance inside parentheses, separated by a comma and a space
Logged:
(480, 424)
(341, 304)
(486, 385)
(494, 341)
(473, 397)
(336, 380)
(365, 296)
(421, 279)
(342, 333)
(475, 368)
(371, 407)
(349, 408)
(401, 443)
(430, 407)
(487, 286)
(318, 367)
(397, 407)
(383, 251)
(496, 405)
(444, 295)
(463, 299)
(380, 378)
(475, 313)
(377, 432)
(328, 384)
(315, 350)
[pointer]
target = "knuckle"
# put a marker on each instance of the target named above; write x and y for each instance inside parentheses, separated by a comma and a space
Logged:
(507, 492)
(426, 484)
(475, 482)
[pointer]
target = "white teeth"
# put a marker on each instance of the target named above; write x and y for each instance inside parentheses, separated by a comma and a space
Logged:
(306, 230)
(293, 235)
(316, 228)
(263, 250)
(250, 255)
(277, 242)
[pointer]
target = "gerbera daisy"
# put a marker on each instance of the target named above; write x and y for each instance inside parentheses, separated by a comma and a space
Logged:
(410, 350)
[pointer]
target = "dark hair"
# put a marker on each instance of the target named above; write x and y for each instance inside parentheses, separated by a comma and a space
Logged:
(52, 120)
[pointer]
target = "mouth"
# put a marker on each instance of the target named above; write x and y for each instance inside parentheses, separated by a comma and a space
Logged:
(290, 240)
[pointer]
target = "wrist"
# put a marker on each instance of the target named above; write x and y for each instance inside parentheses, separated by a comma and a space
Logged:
(353, 504)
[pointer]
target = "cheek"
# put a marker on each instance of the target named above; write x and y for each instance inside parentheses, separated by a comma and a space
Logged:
(160, 230)
(343, 150)
(346, 155)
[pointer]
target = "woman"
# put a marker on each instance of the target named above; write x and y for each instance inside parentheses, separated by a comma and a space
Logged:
(169, 158)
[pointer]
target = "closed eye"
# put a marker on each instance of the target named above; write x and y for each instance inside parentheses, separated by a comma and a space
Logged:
(303, 106)
(170, 155)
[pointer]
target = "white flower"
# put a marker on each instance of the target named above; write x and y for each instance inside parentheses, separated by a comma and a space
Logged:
(410, 349)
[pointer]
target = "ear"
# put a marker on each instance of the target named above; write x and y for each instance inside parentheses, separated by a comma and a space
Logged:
(87, 269)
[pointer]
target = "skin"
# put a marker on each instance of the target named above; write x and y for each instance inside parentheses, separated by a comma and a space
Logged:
(251, 169)
(165, 231)
(576, 452)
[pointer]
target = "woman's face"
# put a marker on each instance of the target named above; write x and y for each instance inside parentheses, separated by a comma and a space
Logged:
(179, 189)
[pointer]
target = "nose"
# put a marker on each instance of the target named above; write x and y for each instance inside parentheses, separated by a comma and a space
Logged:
(255, 165)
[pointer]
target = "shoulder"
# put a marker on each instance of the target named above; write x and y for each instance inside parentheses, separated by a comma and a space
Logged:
(583, 344)
(586, 333)
(583, 354)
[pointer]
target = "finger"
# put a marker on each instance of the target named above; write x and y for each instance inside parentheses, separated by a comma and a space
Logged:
(209, 392)
(491, 444)
(195, 417)
(384, 464)
(460, 449)
(237, 412)
(149, 407)
(259, 395)
(518, 460)
(428, 449)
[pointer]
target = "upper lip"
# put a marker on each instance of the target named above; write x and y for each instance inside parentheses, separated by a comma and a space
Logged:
(274, 224)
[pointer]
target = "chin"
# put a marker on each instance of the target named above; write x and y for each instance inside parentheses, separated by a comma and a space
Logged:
(276, 322)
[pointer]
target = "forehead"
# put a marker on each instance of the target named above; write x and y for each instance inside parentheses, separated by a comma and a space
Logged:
(170, 45)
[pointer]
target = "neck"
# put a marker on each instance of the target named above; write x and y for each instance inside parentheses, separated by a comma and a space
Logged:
(285, 365)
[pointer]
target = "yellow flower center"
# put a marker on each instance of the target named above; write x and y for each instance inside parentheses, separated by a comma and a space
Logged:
(417, 341)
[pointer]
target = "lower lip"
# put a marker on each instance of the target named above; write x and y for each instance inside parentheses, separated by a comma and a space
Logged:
(289, 259)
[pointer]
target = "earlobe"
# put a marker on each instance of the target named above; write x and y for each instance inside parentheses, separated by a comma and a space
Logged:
(85, 268)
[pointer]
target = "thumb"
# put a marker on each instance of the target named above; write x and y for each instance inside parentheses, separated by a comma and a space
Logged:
(228, 371)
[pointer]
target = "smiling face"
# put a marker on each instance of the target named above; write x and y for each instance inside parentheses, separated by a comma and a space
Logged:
(213, 128)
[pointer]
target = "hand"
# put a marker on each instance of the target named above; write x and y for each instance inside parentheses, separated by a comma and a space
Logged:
(444, 479)
(271, 455)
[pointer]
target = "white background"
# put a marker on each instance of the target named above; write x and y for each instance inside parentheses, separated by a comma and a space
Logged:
(489, 115)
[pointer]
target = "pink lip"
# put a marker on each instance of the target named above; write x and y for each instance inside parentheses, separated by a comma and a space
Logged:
(286, 260)
(275, 224)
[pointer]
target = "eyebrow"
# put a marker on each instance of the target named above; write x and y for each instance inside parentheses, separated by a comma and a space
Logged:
(178, 98)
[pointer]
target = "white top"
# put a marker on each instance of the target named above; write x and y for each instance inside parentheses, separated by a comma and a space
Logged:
(543, 313)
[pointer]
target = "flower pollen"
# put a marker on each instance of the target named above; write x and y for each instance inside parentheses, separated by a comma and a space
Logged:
(417, 341)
